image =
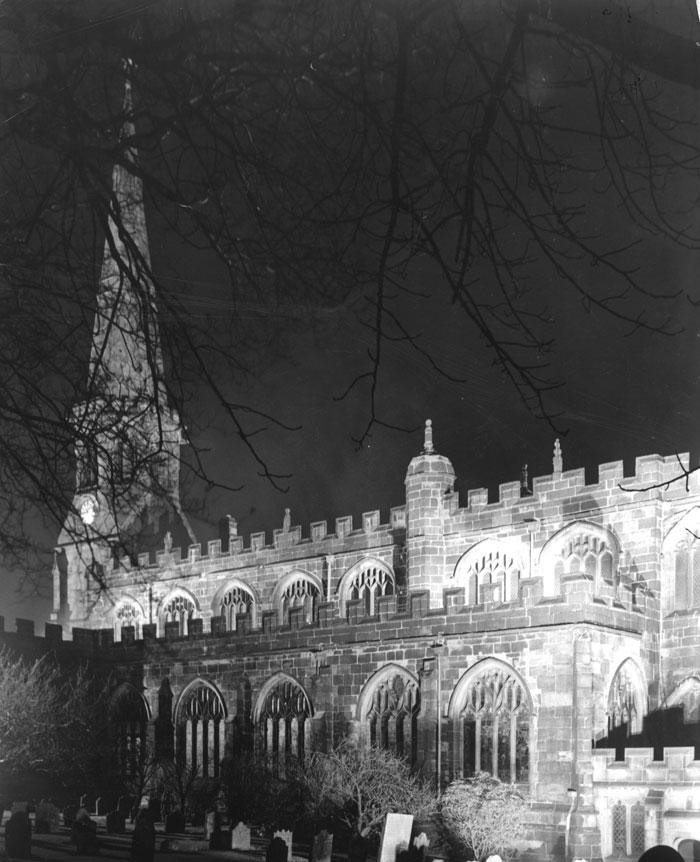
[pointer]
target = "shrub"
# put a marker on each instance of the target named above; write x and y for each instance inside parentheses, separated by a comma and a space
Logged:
(483, 815)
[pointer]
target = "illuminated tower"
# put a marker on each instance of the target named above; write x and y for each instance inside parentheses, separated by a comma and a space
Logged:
(127, 437)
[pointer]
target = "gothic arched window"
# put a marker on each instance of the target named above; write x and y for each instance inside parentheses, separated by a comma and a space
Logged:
(367, 581)
(299, 592)
(619, 829)
(687, 573)
(389, 709)
(179, 609)
(200, 729)
(128, 718)
(283, 723)
(236, 600)
(626, 700)
(489, 573)
(579, 548)
(127, 614)
(491, 715)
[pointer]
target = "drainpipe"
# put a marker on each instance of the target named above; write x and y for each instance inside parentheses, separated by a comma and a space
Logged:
(439, 649)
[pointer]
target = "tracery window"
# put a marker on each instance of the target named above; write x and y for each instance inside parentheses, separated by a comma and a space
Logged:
(200, 730)
(368, 583)
(587, 553)
(494, 725)
(493, 574)
(127, 614)
(626, 699)
(128, 720)
(619, 829)
(687, 573)
(236, 600)
(392, 713)
(299, 593)
(283, 724)
(637, 838)
(179, 609)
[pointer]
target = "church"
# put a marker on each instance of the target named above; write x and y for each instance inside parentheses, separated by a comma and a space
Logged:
(550, 637)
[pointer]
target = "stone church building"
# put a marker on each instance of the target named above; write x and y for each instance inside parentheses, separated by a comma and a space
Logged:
(550, 637)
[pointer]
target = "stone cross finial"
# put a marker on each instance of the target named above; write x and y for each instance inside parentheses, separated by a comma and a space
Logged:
(428, 447)
(524, 480)
(287, 521)
(557, 460)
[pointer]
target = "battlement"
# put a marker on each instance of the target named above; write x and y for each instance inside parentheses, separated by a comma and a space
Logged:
(650, 471)
(283, 541)
(396, 616)
(678, 766)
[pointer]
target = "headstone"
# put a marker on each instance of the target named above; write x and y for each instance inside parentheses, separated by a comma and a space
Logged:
(240, 837)
(143, 841)
(175, 822)
(115, 823)
(396, 836)
(418, 848)
(286, 836)
(98, 807)
(124, 805)
(84, 834)
(18, 836)
(46, 817)
(277, 850)
(210, 825)
(83, 803)
(69, 813)
(322, 847)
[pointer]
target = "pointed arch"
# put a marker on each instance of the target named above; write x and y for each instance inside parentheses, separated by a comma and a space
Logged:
(581, 546)
(388, 709)
(180, 606)
(680, 572)
(128, 716)
(627, 698)
(200, 717)
(297, 589)
(282, 720)
(490, 563)
(491, 714)
(368, 579)
(235, 597)
(127, 612)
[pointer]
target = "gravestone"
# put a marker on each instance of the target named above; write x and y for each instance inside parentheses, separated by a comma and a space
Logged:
(69, 813)
(396, 836)
(175, 821)
(419, 847)
(286, 836)
(18, 836)
(115, 823)
(240, 837)
(46, 817)
(124, 805)
(322, 847)
(210, 826)
(277, 850)
(84, 834)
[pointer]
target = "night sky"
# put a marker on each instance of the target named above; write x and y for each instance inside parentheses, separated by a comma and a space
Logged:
(622, 394)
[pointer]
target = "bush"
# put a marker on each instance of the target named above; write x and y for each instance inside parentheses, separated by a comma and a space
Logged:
(359, 786)
(483, 816)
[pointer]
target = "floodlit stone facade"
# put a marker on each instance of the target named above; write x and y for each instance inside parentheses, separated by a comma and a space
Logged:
(513, 636)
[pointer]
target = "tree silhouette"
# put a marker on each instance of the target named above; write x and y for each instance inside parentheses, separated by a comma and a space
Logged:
(314, 156)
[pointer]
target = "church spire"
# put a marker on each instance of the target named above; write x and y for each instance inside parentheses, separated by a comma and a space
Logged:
(126, 361)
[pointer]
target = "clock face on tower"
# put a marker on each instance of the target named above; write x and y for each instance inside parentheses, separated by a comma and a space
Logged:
(88, 509)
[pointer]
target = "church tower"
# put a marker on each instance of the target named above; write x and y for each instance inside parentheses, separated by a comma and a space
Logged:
(127, 437)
